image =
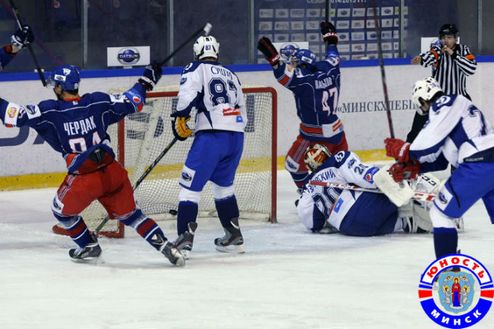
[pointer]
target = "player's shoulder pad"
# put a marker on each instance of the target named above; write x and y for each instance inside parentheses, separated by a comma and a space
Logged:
(97, 96)
(443, 101)
(337, 160)
(49, 104)
(191, 67)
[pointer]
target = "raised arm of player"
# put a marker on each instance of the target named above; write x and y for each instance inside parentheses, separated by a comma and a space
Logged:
(21, 38)
(15, 115)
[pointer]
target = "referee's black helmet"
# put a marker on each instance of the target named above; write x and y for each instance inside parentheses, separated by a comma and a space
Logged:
(448, 29)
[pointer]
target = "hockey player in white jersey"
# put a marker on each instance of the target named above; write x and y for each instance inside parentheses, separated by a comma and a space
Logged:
(457, 133)
(215, 92)
(326, 209)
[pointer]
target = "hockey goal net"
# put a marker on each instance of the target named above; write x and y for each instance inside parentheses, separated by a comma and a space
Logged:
(141, 137)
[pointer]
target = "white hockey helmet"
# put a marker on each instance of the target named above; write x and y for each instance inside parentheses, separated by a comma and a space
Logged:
(315, 156)
(206, 46)
(425, 89)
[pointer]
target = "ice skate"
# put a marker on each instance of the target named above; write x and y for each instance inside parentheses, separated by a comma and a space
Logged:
(173, 254)
(185, 241)
(89, 253)
(232, 241)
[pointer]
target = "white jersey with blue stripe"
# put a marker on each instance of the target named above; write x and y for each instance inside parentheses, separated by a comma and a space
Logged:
(456, 129)
(215, 92)
(344, 168)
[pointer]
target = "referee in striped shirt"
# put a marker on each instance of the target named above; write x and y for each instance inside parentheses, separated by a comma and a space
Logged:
(451, 63)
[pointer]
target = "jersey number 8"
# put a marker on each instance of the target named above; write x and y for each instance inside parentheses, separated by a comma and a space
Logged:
(219, 93)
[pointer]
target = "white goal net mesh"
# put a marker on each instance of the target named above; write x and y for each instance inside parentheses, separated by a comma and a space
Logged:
(146, 134)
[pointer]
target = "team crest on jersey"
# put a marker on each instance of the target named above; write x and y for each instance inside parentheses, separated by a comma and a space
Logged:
(456, 291)
(442, 198)
(183, 80)
(12, 112)
(187, 176)
(339, 156)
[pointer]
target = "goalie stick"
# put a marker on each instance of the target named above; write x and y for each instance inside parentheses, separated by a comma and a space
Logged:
(35, 60)
(419, 196)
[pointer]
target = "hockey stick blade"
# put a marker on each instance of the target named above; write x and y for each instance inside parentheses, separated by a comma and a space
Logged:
(29, 47)
(419, 196)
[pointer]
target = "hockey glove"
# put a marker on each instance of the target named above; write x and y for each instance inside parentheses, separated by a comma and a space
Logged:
(265, 46)
(180, 128)
(328, 32)
(401, 171)
(151, 76)
(398, 149)
(22, 37)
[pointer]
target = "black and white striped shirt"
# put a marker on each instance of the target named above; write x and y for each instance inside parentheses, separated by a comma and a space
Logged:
(451, 71)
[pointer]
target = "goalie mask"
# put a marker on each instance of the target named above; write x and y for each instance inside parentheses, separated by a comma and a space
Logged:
(206, 47)
(425, 89)
(315, 156)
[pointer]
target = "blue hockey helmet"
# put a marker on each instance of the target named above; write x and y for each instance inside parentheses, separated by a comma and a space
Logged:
(287, 51)
(305, 57)
(67, 76)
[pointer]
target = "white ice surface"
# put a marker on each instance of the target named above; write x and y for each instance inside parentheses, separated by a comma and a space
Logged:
(288, 278)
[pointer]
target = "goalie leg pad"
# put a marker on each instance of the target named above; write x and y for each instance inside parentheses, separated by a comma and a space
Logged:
(399, 193)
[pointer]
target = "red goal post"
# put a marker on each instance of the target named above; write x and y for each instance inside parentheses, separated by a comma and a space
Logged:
(142, 136)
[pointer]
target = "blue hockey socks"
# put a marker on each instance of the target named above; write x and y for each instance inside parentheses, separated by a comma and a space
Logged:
(187, 212)
(227, 210)
(146, 227)
(445, 241)
(76, 229)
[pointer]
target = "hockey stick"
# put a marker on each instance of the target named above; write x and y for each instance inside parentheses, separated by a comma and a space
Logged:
(143, 176)
(419, 196)
(206, 29)
(327, 10)
(383, 73)
(35, 60)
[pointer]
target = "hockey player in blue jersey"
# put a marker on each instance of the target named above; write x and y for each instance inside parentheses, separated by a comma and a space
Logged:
(75, 126)
(215, 92)
(315, 86)
(457, 133)
(324, 209)
(20, 39)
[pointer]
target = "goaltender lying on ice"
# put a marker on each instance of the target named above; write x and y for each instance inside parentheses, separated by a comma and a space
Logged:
(342, 195)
